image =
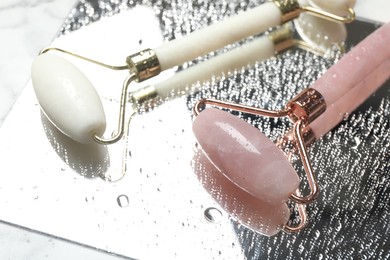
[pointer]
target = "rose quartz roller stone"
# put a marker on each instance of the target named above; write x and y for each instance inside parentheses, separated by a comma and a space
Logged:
(250, 211)
(245, 156)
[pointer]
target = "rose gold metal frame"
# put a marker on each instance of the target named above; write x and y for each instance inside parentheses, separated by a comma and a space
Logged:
(300, 113)
(297, 134)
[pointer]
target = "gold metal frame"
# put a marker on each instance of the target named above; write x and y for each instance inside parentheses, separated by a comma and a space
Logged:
(291, 9)
(141, 66)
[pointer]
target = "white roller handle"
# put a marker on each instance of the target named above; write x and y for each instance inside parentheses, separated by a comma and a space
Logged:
(245, 55)
(68, 98)
(218, 35)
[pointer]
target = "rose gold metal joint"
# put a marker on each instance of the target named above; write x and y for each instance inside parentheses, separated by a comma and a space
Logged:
(307, 106)
(307, 134)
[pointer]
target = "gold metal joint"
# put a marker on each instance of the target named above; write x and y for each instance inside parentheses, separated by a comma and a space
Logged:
(308, 105)
(144, 94)
(282, 39)
(290, 9)
(144, 64)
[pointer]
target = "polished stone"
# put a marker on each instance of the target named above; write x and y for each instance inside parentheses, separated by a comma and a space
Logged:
(245, 156)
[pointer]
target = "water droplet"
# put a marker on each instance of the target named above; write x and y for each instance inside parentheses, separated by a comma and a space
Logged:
(213, 215)
(356, 143)
(345, 116)
(123, 201)
(338, 226)
(301, 248)
(354, 213)
(90, 199)
(317, 234)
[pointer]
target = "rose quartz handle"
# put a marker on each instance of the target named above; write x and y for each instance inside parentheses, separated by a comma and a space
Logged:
(351, 100)
(355, 66)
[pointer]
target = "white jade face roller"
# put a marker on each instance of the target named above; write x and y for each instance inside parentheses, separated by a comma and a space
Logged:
(70, 102)
(253, 163)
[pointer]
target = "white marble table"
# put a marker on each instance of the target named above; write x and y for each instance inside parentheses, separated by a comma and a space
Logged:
(25, 27)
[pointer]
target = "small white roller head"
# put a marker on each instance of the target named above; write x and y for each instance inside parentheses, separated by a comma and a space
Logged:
(321, 33)
(68, 98)
(338, 7)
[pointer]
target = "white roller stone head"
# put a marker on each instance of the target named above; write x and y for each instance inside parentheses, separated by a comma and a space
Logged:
(68, 98)
(321, 33)
(339, 7)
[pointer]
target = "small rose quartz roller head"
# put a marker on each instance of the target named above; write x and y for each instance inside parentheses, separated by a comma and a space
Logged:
(252, 162)
(71, 103)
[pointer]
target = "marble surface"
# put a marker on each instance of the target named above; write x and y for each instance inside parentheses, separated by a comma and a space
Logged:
(25, 27)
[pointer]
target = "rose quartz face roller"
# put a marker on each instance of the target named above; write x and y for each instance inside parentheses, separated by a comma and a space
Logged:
(71, 103)
(253, 163)
(241, 205)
